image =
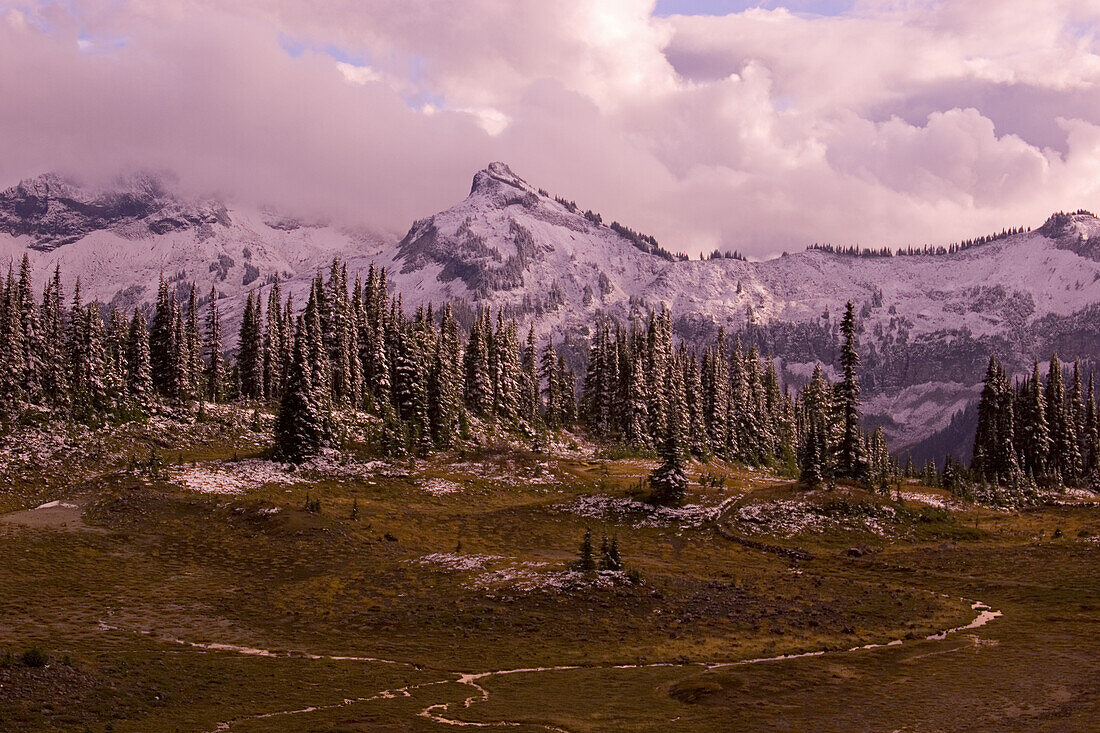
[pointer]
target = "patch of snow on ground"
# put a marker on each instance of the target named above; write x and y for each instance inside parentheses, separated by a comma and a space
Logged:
(458, 562)
(56, 505)
(233, 477)
(439, 487)
(497, 572)
(510, 473)
(529, 579)
(789, 517)
(599, 506)
(929, 499)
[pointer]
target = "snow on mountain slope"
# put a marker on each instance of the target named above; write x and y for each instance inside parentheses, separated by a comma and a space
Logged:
(119, 240)
(928, 322)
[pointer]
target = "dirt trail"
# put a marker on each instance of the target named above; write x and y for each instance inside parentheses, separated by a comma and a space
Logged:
(440, 712)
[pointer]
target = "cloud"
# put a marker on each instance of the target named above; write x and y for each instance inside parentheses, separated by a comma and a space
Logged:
(892, 122)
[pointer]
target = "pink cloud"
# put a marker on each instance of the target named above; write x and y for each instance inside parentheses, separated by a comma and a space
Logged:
(763, 130)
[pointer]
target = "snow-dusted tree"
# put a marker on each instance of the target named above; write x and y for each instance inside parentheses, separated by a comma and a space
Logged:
(1032, 433)
(12, 356)
(53, 344)
(275, 343)
(161, 346)
(215, 376)
(668, 483)
(299, 428)
(30, 323)
(479, 388)
(816, 450)
(139, 380)
(250, 351)
(850, 460)
(444, 384)
(1064, 456)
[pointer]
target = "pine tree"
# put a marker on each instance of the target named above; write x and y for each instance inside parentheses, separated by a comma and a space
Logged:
(1064, 456)
(30, 324)
(53, 344)
(160, 341)
(192, 349)
(668, 482)
(139, 380)
(816, 451)
(299, 432)
(586, 563)
(95, 361)
(610, 560)
(249, 351)
(214, 377)
(78, 348)
(274, 343)
(12, 356)
(850, 460)
(444, 388)
(1032, 433)
(985, 434)
(552, 393)
(479, 388)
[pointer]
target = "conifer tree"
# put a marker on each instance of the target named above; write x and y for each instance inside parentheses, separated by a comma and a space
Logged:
(12, 356)
(668, 482)
(139, 380)
(479, 388)
(1064, 456)
(850, 460)
(54, 353)
(31, 327)
(249, 351)
(586, 563)
(160, 341)
(215, 362)
(299, 431)
(1032, 433)
(552, 388)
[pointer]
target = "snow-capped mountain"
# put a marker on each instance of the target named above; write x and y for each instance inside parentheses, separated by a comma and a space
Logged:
(928, 322)
(120, 238)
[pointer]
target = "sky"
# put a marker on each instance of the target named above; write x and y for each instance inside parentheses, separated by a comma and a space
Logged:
(756, 126)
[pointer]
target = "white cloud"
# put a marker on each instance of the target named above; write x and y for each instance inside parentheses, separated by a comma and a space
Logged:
(897, 122)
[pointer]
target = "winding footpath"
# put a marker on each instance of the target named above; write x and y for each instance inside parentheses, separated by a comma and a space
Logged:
(441, 712)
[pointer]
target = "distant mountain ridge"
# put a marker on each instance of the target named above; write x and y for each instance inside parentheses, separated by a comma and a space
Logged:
(928, 322)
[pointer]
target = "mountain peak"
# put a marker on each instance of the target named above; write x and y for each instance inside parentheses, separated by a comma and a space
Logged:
(496, 174)
(54, 210)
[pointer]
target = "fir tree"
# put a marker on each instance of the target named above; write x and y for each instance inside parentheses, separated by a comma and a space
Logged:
(850, 460)
(668, 482)
(299, 430)
(161, 348)
(139, 380)
(215, 362)
(586, 562)
(249, 351)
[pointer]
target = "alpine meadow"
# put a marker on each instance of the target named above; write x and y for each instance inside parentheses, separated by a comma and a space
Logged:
(764, 399)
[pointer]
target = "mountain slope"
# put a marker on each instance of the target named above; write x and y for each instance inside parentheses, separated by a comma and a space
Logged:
(119, 239)
(928, 322)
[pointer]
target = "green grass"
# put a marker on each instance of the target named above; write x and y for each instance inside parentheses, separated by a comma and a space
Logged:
(164, 566)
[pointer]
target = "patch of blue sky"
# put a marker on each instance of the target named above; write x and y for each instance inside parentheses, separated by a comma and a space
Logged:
(295, 47)
(726, 7)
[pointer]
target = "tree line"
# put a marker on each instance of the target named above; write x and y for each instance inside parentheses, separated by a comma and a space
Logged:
(1036, 432)
(426, 380)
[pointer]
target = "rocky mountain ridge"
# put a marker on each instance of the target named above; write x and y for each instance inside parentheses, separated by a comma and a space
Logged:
(928, 322)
